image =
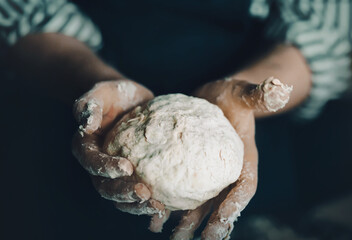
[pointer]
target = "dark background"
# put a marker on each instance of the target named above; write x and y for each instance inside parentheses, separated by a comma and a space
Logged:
(47, 195)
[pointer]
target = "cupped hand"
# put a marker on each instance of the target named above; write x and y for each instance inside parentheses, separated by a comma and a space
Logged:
(238, 100)
(112, 176)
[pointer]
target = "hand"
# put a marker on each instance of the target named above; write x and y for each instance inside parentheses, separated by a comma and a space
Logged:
(237, 99)
(112, 176)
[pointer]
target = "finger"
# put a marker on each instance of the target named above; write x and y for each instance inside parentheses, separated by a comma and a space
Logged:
(125, 189)
(190, 222)
(157, 221)
(271, 95)
(242, 191)
(124, 95)
(149, 207)
(220, 224)
(86, 150)
(88, 112)
(239, 196)
(217, 230)
(99, 107)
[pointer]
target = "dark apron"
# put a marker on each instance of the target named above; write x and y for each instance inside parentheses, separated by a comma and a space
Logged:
(177, 45)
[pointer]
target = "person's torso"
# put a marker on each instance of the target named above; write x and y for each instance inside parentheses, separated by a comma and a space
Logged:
(174, 46)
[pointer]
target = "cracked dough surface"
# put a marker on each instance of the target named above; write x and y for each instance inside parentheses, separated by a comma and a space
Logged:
(183, 148)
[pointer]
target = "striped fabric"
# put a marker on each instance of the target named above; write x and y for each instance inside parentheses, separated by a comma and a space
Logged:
(21, 17)
(322, 30)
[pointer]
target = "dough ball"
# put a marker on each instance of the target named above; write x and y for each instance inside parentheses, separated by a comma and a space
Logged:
(183, 148)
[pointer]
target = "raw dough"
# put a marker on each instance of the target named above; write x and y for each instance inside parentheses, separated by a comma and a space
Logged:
(183, 148)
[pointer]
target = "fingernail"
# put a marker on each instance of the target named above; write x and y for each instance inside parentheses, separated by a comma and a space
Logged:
(125, 166)
(86, 116)
(276, 81)
(158, 206)
(142, 191)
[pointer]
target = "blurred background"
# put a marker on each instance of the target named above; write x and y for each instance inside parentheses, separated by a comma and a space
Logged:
(305, 178)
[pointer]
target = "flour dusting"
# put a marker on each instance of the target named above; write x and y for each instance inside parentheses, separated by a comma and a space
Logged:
(276, 94)
(127, 91)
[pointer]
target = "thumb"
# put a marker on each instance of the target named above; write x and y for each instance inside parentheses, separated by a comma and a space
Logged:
(107, 100)
(88, 111)
(269, 96)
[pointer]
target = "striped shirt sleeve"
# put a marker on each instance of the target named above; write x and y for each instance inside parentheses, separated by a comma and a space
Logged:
(21, 17)
(322, 30)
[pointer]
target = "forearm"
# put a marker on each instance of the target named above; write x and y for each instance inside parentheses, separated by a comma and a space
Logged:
(287, 64)
(58, 65)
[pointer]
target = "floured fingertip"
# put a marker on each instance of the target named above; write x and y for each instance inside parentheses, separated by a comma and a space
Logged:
(217, 230)
(229, 212)
(91, 117)
(276, 94)
(157, 205)
(142, 192)
(78, 108)
(157, 222)
(154, 226)
(125, 166)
